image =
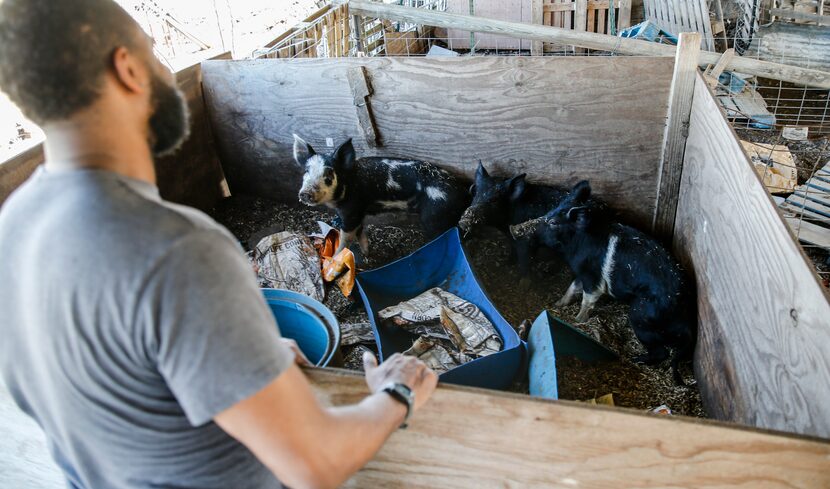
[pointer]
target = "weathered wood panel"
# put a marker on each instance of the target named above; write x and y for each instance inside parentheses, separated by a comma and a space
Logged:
(794, 44)
(469, 437)
(16, 170)
(511, 10)
(559, 120)
(763, 355)
(193, 175)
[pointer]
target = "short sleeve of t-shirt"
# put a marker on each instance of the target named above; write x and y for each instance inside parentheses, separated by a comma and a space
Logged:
(215, 340)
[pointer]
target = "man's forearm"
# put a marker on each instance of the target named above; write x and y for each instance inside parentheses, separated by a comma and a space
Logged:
(358, 431)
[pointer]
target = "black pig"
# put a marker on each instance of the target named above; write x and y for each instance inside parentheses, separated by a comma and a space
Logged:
(501, 202)
(358, 187)
(611, 258)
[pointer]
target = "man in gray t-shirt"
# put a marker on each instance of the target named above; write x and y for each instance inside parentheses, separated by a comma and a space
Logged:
(133, 329)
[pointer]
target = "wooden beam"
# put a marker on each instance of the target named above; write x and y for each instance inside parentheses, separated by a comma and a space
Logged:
(624, 22)
(465, 437)
(713, 76)
(580, 19)
(361, 91)
(792, 14)
(677, 130)
(776, 71)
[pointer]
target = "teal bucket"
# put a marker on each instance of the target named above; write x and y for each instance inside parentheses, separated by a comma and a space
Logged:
(306, 321)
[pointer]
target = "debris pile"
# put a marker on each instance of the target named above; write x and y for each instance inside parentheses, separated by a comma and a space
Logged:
(450, 330)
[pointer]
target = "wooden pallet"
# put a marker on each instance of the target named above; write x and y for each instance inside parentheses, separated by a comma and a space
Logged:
(807, 210)
(676, 16)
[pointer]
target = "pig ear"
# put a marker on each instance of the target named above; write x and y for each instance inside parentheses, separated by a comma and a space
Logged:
(516, 186)
(473, 190)
(344, 156)
(481, 172)
(581, 192)
(302, 150)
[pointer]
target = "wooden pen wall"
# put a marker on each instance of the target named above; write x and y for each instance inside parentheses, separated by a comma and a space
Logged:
(763, 355)
(559, 120)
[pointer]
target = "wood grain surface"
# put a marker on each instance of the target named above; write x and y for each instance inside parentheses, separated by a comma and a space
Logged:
(17, 169)
(465, 438)
(557, 119)
(763, 357)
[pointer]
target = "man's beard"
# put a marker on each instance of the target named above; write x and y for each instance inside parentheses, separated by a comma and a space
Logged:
(170, 122)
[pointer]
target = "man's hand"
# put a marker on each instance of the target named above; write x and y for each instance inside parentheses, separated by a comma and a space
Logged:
(299, 357)
(403, 369)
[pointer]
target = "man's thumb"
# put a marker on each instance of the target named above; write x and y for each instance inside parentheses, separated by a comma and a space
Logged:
(369, 361)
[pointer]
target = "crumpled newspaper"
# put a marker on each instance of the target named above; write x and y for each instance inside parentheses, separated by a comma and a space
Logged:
(288, 260)
(451, 331)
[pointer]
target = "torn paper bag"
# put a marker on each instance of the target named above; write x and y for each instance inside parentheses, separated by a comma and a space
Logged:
(288, 261)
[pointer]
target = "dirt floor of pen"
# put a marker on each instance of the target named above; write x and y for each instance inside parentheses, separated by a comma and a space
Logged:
(390, 237)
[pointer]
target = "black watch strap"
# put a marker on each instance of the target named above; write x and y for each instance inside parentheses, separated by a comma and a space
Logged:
(404, 395)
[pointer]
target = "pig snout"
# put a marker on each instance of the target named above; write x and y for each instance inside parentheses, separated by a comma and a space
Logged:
(467, 220)
(306, 197)
(526, 228)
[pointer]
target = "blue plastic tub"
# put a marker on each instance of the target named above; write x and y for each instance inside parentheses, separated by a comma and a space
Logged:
(549, 337)
(441, 263)
(306, 321)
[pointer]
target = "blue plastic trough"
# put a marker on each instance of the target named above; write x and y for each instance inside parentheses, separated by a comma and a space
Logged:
(441, 263)
(549, 337)
(306, 321)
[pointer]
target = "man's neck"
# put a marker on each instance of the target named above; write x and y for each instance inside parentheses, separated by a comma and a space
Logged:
(88, 142)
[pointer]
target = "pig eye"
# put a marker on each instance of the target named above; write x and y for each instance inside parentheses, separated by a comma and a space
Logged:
(328, 181)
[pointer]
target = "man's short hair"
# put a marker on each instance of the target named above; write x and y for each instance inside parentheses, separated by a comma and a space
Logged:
(54, 54)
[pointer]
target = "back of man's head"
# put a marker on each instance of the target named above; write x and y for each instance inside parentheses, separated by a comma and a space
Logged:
(54, 54)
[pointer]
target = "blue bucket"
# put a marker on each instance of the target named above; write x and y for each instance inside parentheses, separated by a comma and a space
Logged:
(550, 336)
(440, 263)
(306, 321)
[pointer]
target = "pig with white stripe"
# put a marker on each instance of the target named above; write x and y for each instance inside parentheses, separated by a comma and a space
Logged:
(607, 257)
(356, 187)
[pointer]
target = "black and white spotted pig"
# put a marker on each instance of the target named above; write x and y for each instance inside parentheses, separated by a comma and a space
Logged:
(501, 202)
(611, 258)
(356, 187)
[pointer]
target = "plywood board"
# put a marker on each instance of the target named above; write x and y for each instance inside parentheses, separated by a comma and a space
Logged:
(559, 120)
(763, 355)
(467, 437)
(193, 175)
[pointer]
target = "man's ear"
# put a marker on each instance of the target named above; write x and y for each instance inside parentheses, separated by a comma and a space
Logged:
(302, 150)
(344, 156)
(516, 186)
(129, 71)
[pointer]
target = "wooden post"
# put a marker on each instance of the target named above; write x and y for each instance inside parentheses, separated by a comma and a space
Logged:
(677, 130)
(537, 48)
(636, 47)
(357, 33)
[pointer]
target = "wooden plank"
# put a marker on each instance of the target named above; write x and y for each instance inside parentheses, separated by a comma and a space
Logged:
(724, 60)
(529, 114)
(537, 47)
(814, 202)
(580, 19)
(809, 233)
(776, 71)
(798, 211)
(796, 44)
(16, 170)
(677, 129)
(466, 437)
(763, 354)
(361, 91)
(624, 20)
(593, 25)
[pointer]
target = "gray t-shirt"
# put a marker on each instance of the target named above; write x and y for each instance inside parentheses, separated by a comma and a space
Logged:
(127, 324)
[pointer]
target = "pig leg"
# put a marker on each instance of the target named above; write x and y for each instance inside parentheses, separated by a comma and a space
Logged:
(643, 319)
(574, 289)
(522, 249)
(589, 299)
(363, 240)
(346, 239)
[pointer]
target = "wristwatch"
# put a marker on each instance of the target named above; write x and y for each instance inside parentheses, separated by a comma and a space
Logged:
(404, 395)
